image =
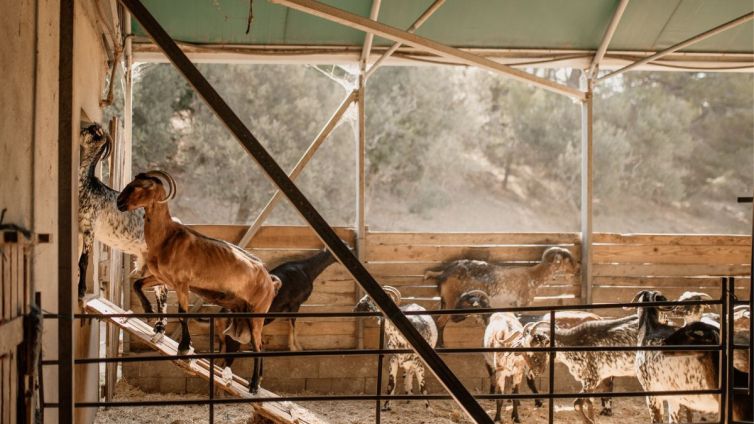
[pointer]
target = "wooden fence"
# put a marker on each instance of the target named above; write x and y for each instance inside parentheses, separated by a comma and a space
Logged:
(623, 264)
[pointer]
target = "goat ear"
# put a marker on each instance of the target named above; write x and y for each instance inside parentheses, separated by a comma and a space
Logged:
(508, 340)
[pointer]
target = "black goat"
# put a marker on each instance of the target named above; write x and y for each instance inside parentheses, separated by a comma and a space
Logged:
(297, 278)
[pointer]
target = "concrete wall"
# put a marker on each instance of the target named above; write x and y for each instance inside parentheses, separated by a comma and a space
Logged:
(29, 143)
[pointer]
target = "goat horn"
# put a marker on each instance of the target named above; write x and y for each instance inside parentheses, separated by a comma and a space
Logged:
(477, 292)
(393, 293)
(534, 326)
(170, 181)
(108, 146)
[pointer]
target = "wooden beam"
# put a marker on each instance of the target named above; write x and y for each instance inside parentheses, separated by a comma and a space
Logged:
(369, 37)
(364, 24)
(609, 32)
(693, 40)
(300, 165)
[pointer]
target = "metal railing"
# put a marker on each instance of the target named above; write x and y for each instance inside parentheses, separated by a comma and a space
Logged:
(725, 389)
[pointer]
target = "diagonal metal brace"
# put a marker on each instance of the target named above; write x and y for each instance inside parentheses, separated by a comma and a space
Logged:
(461, 395)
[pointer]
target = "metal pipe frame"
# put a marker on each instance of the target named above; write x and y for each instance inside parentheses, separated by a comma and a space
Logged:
(693, 40)
(67, 206)
(300, 165)
(325, 232)
(412, 29)
(587, 142)
(609, 32)
(363, 24)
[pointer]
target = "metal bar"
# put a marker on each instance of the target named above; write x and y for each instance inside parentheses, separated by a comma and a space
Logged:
(340, 398)
(609, 32)
(363, 24)
(587, 140)
(729, 338)
(725, 342)
(714, 31)
(365, 352)
(361, 182)
(376, 314)
(369, 37)
(300, 165)
(67, 204)
(417, 23)
(751, 304)
(379, 372)
(211, 370)
(325, 232)
(551, 371)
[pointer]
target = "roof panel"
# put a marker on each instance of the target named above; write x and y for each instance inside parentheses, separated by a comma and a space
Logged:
(647, 25)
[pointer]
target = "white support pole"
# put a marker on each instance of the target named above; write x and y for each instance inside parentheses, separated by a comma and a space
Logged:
(300, 165)
(586, 190)
(609, 32)
(367, 49)
(361, 23)
(693, 40)
(127, 144)
(412, 29)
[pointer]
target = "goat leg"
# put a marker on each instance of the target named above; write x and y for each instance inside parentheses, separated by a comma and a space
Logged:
(256, 343)
(441, 321)
(391, 381)
(84, 263)
(293, 344)
(500, 387)
(161, 294)
(491, 374)
(422, 382)
(531, 382)
(586, 408)
(184, 346)
(607, 403)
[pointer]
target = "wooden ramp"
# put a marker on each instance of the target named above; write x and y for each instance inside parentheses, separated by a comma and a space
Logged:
(277, 412)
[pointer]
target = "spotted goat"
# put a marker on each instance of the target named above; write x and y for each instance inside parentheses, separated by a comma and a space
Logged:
(411, 364)
(506, 286)
(100, 219)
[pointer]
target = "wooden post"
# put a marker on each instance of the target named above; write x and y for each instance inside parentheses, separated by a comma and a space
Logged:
(586, 190)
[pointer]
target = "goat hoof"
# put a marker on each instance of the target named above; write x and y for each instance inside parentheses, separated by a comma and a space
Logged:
(538, 403)
(606, 412)
(182, 350)
(254, 390)
(159, 327)
(227, 376)
(386, 408)
(516, 420)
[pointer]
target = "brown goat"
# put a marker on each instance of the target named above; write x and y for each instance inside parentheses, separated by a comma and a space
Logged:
(506, 286)
(185, 260)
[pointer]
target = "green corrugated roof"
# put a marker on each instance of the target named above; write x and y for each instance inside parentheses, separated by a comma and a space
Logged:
(647, 25)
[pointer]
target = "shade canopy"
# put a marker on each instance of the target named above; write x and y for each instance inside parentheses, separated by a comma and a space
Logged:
(511, 29)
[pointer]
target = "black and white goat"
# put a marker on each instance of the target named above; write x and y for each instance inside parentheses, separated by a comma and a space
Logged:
(665, 371)
(297, 282)
(591, 369)
(410, 362)
(100, 219)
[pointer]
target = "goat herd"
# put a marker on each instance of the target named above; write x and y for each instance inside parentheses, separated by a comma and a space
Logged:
(171, 255)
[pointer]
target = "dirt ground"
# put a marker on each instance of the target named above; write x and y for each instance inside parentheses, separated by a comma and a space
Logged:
(626, 411)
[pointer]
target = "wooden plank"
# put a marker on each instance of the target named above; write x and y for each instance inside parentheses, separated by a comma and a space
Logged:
(466, 239)
(445, 253)
(626, 294)
(669, 270)
(658, 282)
(672, 254)
(274, 236)
(277, 412)
(6, 259)
(11, 334)
(4, 382)
(674, 239)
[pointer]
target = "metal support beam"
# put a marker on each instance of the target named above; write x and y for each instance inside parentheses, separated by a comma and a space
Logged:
(300, 165)
(609, 32)
(586, 190)
(412, 29)
(693, 40)
(67, 206)
(369, 37)
(325, 232)
(364, 24)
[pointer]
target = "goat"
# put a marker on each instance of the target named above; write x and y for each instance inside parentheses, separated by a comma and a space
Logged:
(506, 286)
(297, 282)
(660, 371)
(100, 219)
(505, 330)
(691, 313)
(410, 362)
(591, 369)
(184, 259)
